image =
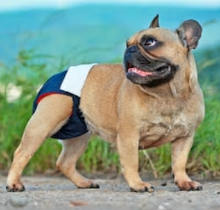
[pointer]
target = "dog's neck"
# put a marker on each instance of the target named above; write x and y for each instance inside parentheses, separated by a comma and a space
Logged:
(185, 82)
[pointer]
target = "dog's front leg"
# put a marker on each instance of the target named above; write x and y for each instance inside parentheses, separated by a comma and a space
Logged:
(180, 150)
(128, 151)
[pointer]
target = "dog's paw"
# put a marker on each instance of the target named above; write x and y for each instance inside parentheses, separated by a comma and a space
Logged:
(16, 187)
(88, 184)
(189, 185)
(143, 187)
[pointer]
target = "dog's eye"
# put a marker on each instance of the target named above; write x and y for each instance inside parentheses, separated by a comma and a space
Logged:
(150, 42)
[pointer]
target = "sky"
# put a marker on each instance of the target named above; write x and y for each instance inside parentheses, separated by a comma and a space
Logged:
(26, 4)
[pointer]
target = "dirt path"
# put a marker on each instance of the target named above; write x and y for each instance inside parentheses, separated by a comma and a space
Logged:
(58, 193)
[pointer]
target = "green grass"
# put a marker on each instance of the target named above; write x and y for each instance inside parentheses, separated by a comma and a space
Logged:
(31, 70)
(205, 154)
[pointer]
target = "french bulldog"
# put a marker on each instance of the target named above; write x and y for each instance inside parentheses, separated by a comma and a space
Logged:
(151, 99)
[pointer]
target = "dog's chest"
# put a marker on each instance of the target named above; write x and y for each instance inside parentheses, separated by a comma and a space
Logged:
(167, 125)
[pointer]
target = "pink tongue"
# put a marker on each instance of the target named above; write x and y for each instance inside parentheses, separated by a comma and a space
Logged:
(138, 71)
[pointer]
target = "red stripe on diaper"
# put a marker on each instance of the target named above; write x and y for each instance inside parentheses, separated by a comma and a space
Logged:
(47, 94)
(44, 95)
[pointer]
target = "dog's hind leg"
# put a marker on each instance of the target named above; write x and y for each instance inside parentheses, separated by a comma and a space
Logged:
(51, 114)
(66, 163)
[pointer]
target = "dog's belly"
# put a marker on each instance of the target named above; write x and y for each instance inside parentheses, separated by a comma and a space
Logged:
(106, 134)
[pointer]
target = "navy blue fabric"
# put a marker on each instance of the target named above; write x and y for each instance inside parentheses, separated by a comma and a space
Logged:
(76, 125)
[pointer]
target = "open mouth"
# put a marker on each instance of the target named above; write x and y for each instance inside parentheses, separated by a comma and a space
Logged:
(139, 72)
(150, 74)
(159, 69)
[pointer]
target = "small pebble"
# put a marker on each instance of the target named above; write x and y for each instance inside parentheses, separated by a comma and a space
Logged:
(35, 203)
(160, 207)
(18, 201)
(164, 184)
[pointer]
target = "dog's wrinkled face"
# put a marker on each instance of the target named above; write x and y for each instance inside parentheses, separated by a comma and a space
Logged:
(142, 68)
(154, 55)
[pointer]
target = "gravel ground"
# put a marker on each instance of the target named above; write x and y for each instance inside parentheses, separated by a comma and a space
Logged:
(59, 193)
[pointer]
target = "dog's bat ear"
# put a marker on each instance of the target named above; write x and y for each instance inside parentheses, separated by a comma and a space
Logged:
(155, 22)
(189, 33)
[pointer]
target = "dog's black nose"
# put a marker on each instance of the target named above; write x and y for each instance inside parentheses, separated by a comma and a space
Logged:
(132, 49)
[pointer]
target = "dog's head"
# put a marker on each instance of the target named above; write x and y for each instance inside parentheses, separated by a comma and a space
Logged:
(154, 55)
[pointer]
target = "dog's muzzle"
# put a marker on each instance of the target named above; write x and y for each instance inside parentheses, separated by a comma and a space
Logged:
(145, 71)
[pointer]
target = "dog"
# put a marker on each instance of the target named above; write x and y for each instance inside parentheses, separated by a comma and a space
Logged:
(151, 99)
